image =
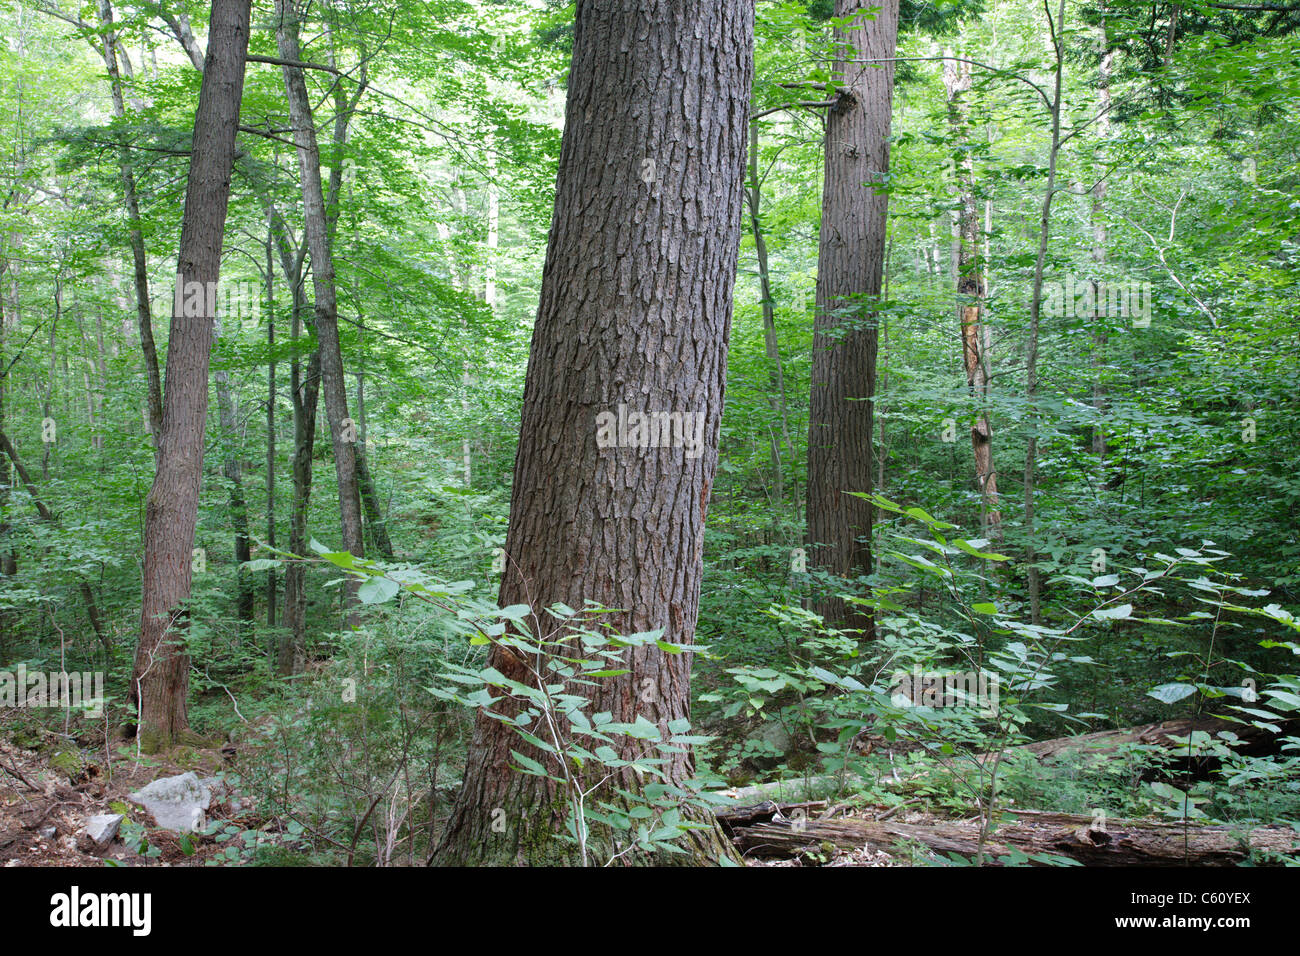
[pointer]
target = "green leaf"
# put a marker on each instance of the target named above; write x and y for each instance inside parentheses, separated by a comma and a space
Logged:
(1171, 693)
(377, 590)
(1116, 613)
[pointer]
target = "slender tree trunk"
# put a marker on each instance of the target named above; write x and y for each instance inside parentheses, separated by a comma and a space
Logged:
(304, 393)
(8, 557)
(776, 372)
(293, 645)
(342, 428)
(230, 468)
(47, 406)
(160, 679)
(1035, 308)
(376, 527)
(1097, 214)
(970, 297)
(270, 421)
(850, 262)
(144, 315)
(640, 267)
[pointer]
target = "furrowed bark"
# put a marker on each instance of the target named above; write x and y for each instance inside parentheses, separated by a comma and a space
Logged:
(160, 679)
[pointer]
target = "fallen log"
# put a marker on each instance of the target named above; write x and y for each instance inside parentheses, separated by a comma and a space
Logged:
(732, 817)
(1116, 843)
(1252, 741)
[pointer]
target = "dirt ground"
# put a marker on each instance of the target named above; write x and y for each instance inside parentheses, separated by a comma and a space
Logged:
(49, 780)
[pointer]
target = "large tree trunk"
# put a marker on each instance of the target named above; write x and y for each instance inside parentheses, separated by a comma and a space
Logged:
(319, 243)
(850, 261)
(970, 296)
(635, 308)
(160, 680)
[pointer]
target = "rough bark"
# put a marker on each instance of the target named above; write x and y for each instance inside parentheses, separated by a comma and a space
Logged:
(850, 262)
(160, 679)
(635, 308)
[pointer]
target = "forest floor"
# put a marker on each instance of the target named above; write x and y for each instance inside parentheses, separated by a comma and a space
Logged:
(50, 782)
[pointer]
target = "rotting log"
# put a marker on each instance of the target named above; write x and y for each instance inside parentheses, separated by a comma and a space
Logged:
(1081, 838)
(1252, 740)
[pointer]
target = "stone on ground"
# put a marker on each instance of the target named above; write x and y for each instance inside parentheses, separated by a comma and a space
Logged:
(176, 803)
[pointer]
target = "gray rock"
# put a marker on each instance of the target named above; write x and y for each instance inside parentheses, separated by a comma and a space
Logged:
(176, 803)
(48, 833)
(102, 828)
(773, 734)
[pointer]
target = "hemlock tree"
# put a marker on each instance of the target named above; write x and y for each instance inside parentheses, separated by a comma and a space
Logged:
(636, 307)
(160, 679)
(850, 263)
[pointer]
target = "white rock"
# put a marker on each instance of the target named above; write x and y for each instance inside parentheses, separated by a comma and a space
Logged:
(177, 803)
(102, 828)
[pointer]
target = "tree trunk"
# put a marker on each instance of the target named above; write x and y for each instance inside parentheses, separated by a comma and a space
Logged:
(305, 395)
(635, 308)
(47, 406)
(776, 372)
(136, 236)
(316, 225)
(970, 297)
(270, 421)
(850, 261)
(160, 679)
(1097, 213)
(238, 505)
(376, 527)
(8, 557)
(1035, 309)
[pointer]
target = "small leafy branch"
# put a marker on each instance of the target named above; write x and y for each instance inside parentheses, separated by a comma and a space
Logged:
(606, 772)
